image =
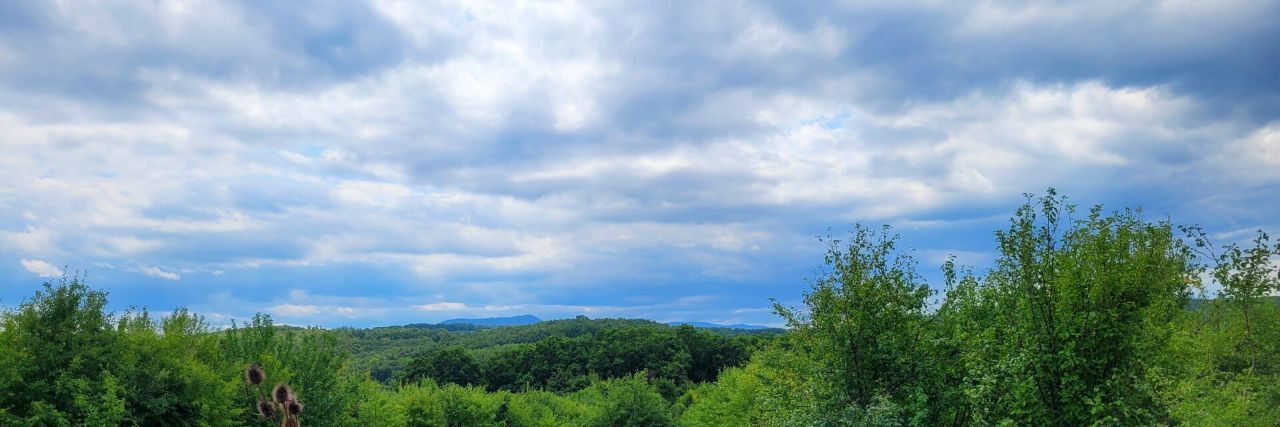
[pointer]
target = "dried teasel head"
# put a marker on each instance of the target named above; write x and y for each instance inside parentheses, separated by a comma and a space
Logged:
(282, 393)
(266, 409)
(254, 375)
(292, 408)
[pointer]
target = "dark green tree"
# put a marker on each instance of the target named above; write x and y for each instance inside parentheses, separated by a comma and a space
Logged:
(449, 365)
(653, 351)
(709, 353)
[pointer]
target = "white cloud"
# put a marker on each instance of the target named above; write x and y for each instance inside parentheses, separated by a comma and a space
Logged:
(442, 306)
(372, 194)
(129, 245)
(752, 310)
(294, 309)
(1254, 157)
(157, 272)
(1033, 135)
(41, 268)
(32, 240)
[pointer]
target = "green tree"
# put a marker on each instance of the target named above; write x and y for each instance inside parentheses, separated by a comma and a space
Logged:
(311, 361)
(65, 360)
(864, 325)
(167, 371)
(453, 365)
(60, 353)
(734, 399)
(1246, 277)
(1065, 328)
(709, 353)
(628, 402)
(1224, 367)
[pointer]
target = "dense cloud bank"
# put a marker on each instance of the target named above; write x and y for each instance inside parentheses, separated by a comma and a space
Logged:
(364, 163)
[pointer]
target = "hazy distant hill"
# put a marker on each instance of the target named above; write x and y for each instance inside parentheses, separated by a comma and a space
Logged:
(718, 326)
(528, 319)
(387, 349)
(496, 321)
(1198, 303)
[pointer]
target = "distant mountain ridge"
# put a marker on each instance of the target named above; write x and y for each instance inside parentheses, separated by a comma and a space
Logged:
(529, 319)
(521, 320)
(719, 326)
(1198, 303)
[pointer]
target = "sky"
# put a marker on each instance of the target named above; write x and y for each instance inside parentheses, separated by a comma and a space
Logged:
(342, 163)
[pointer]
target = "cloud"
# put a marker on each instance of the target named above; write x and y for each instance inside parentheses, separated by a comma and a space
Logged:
(294, 310)
(41, 268)
(31, 240)
(595, 157)
(442, 306)
(1254, 157)
(157, 272)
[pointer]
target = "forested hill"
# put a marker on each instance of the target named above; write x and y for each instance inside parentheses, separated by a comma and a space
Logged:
(524, 319)
(385, 352)
(708, 325)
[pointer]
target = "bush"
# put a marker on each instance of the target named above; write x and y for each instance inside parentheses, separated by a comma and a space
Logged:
(734, 399)
(629, 401)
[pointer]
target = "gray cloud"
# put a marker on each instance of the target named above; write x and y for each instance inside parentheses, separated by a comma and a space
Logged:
(526, 154)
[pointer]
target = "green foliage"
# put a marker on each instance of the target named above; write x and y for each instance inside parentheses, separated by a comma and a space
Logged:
(386, 352)
(426, 404)
(1082, 321)
(1224, 364)
(308, 360)
(865, 326)
(554, 363)
(1064, 329)
(1246, 277)
(448, 365)
(59, 349)
(168, 368)
(546, 409)
(379, 407)
(1205, 379)
(735, 399)
(675, 357)
(629, 402)
(65, 360)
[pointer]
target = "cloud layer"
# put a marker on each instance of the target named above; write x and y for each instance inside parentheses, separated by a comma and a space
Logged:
(391, 161)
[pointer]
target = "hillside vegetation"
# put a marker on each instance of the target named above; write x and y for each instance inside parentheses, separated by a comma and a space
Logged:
(1086, 318)
(386, 352)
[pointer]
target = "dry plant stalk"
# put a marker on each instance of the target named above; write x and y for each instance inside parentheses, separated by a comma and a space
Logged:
(283, 403)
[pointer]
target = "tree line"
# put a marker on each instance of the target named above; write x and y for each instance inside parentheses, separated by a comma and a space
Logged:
(386, 352)
(671, 358)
